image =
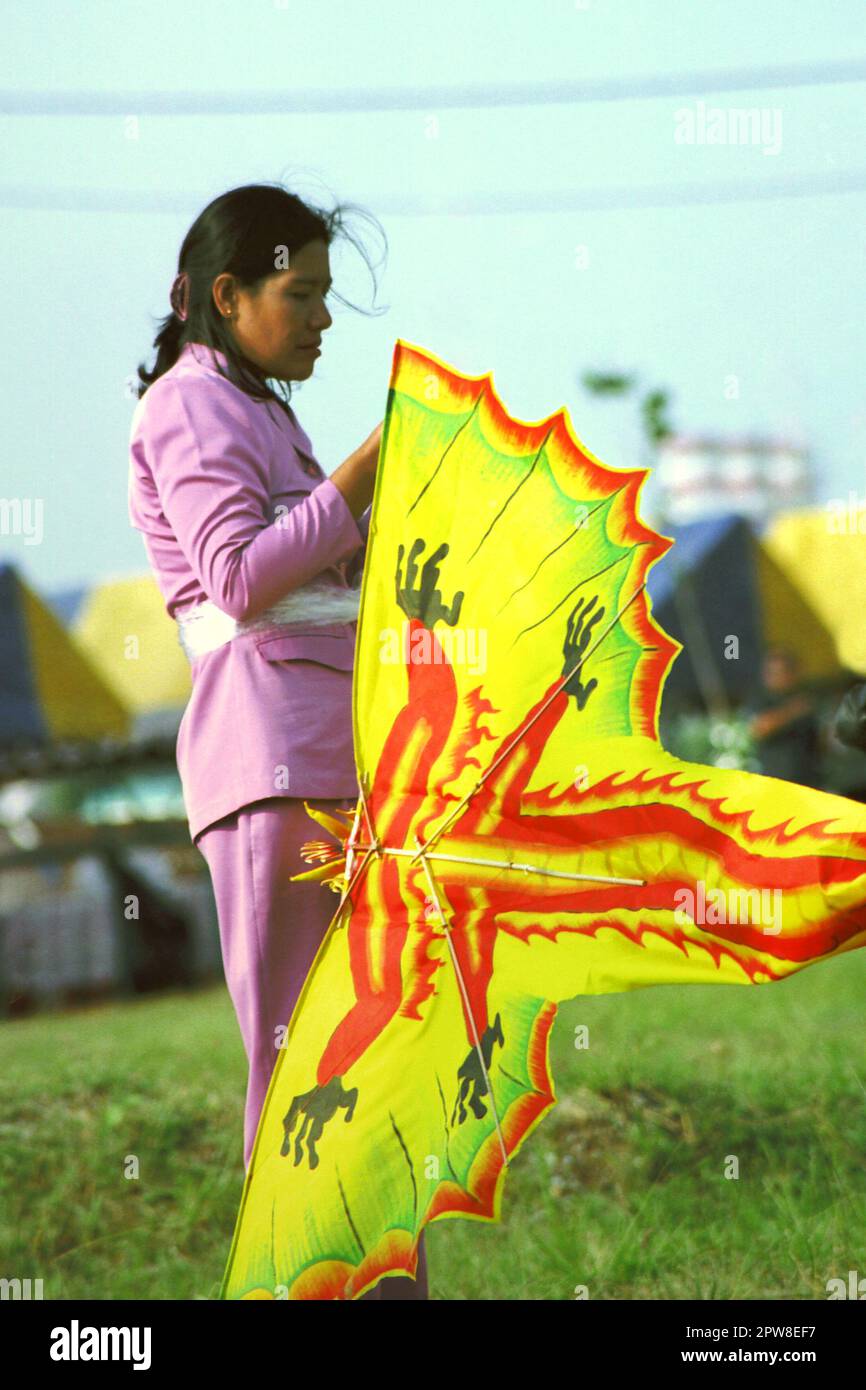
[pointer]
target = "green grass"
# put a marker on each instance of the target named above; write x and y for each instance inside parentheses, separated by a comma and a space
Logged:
(621, 1188)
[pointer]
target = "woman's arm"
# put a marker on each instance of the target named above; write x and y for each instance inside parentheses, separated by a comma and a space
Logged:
(355, 566)
(210, 471)
(356, 477)
(365, 461)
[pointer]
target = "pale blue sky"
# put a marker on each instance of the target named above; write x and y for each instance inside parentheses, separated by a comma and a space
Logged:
(95, 206)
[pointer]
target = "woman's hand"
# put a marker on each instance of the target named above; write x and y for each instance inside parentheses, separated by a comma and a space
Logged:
(356, 476)
(370, 448)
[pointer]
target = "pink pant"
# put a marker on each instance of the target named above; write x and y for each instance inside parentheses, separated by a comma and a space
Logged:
(270, 931)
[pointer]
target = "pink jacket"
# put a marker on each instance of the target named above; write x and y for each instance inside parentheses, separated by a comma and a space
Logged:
(269, 715)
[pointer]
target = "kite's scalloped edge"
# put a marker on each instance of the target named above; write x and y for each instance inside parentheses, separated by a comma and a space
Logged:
(402, 361)
(487, 1181)
(489, 1170)
(650, 545)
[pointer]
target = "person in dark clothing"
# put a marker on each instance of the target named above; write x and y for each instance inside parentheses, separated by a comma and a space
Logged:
(784, 723)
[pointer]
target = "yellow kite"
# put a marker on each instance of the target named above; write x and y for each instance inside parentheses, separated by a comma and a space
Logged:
(521, 838)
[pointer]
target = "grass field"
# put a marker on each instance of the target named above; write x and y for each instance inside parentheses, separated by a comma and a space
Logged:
(622, 1188)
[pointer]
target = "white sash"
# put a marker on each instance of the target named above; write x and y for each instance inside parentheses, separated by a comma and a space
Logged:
(205, 627)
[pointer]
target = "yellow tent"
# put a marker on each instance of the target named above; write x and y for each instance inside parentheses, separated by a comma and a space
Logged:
(823, 553)
(48, 687)
(130, 639)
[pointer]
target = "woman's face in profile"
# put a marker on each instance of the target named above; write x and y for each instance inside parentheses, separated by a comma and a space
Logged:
(280, 326)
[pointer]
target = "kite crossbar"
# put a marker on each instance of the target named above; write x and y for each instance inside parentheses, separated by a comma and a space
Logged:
(468, 1007)
(552, 696)
(515, 864)
(352, 845)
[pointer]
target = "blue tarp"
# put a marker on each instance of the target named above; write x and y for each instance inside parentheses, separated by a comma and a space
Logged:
(705, 593)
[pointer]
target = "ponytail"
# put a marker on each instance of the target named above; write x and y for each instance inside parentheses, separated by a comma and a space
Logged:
(168, 344)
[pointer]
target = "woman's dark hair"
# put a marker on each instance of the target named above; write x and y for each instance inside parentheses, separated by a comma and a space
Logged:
(241, 232)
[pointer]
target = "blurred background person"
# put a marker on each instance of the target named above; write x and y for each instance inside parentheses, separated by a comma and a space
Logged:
(784, 722)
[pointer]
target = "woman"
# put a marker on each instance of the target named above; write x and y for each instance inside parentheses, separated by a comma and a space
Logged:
(256, 552)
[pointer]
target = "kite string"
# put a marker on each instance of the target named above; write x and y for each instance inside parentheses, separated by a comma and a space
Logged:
(373, 837)
(352, 841)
